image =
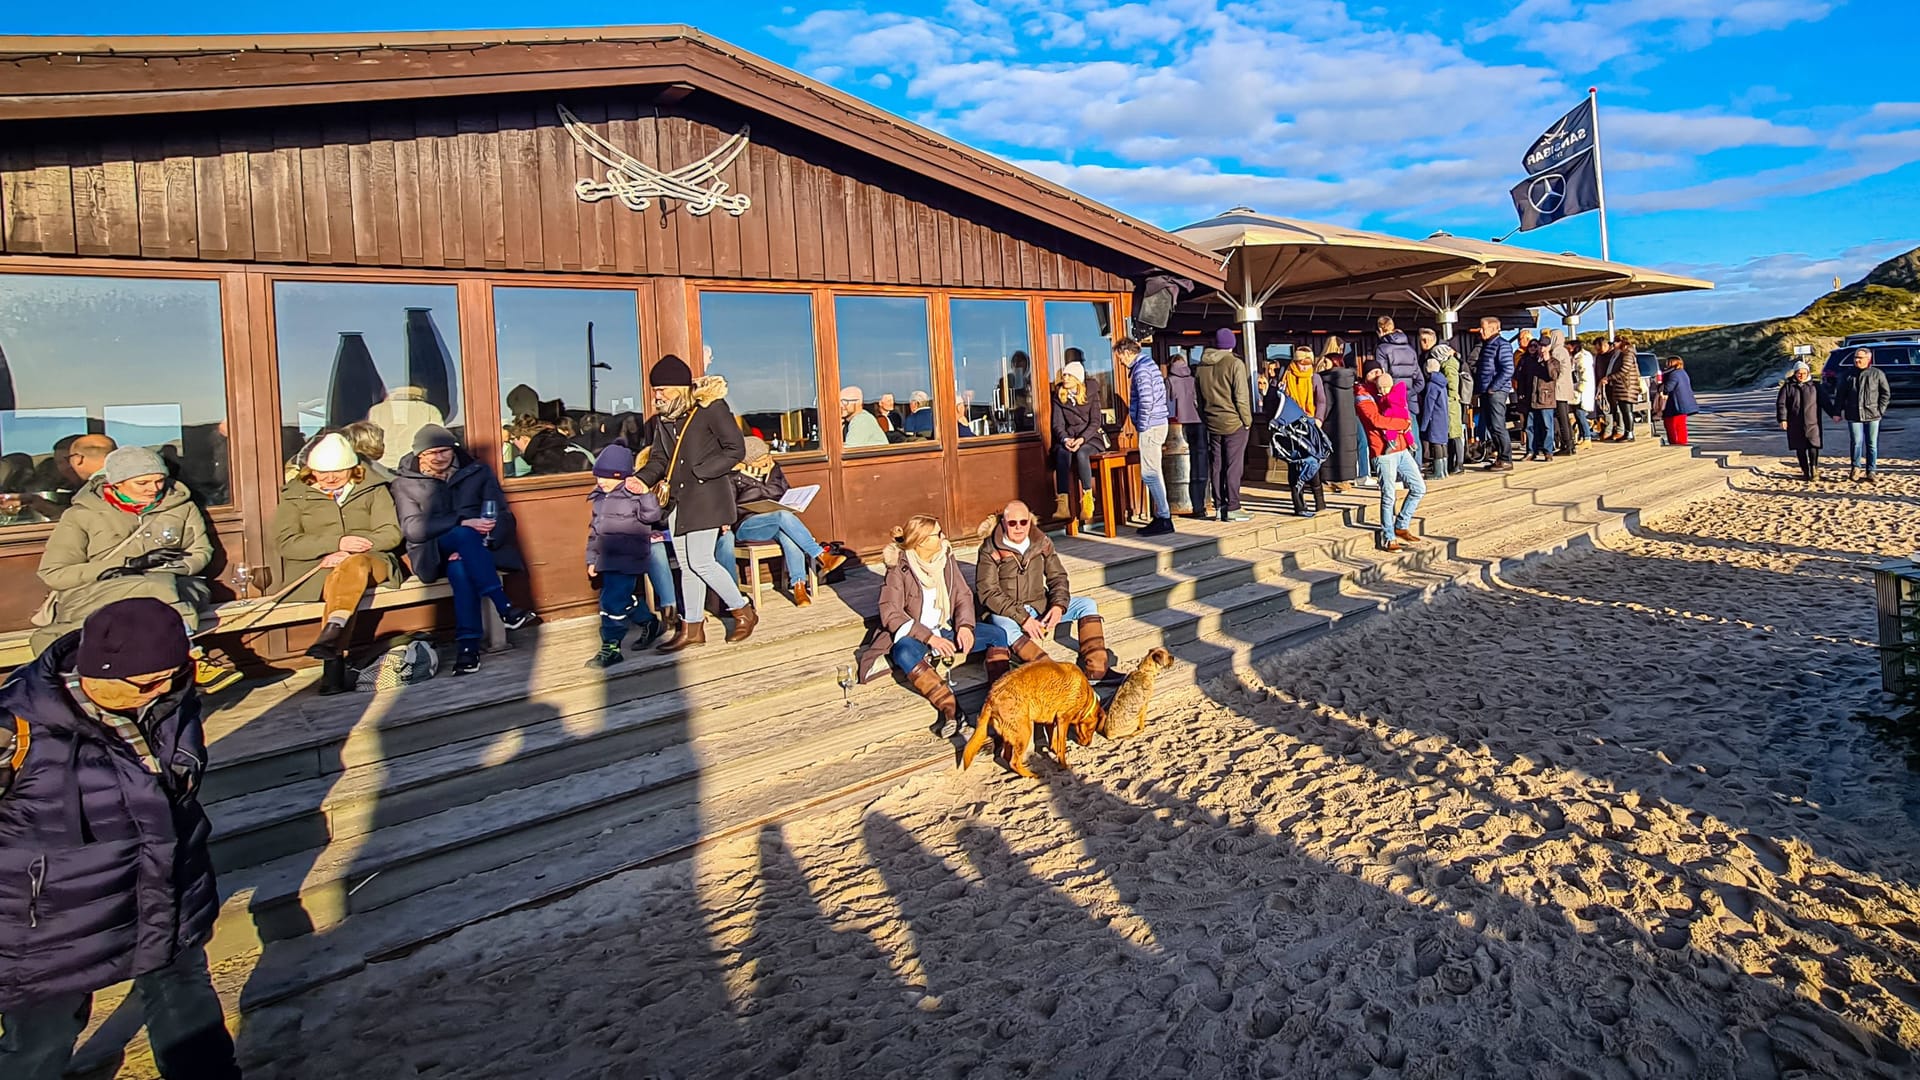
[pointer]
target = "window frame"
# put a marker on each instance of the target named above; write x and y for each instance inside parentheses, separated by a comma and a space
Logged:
(698, 288)
(641, 303)
(945, 423)
(1041, 374)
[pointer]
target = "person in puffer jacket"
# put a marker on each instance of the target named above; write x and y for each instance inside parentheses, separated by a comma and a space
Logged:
(105, 874)
(619, 547)
(1397, 354)
(1147, 401)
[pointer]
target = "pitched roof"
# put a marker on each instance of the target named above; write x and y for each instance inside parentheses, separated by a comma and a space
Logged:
(50, 78)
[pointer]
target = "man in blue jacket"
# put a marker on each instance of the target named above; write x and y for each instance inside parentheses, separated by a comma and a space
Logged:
(104, 870)
(1493, 381)
(1147, 402)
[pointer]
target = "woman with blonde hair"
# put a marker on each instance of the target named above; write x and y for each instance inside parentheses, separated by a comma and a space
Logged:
(1077, 436)
(926, 613)
(337, 515)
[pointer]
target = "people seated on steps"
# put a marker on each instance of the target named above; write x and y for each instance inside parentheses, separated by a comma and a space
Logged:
(758, 479)
(696, 444)
(457, 526)
(926, 614)
(131, 530)
(337, 521)
(1021, 587)
(619, 548)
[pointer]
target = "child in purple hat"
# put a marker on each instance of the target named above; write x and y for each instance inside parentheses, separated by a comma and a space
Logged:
(619, 542)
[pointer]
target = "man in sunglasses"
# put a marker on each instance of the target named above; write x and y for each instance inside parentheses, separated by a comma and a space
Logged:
(104, 870)
(1022, 587)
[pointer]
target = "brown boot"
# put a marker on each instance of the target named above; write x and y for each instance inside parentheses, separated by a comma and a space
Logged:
(827, 563)
(800, 597)
(928, 684)
(999, 662)
(744, 620)
(1027, 649)
(1094, 658)
(685, 636)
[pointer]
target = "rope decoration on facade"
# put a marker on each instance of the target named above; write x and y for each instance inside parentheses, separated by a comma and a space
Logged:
(637, 184)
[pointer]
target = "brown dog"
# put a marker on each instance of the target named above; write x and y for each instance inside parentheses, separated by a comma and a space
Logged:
(1042, 692)
(1127, 712)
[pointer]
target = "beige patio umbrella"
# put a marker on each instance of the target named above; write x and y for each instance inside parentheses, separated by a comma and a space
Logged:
(1274, 258)
(1564, 283)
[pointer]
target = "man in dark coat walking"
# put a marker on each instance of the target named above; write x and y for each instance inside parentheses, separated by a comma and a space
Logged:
(1861, 400)
(1798, 410)
(104, 869)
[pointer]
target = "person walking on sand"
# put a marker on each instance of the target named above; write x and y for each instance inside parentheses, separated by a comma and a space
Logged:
(1382, 404)
(1677, 387)
(1861, 400)
(1492, 382)
(1226, 402)
(1147, 404)
(1798, 410)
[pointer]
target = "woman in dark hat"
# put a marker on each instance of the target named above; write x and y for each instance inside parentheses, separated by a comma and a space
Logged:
(696, 444)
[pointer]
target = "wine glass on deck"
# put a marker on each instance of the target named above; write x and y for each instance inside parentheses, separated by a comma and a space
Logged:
(242, 579)
(844, 675)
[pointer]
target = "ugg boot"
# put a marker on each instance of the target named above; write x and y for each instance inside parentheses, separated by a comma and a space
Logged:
(1027, 649)
(999, 662)
(685, 636)
(928, 684)
(1061, 510)
(744, 620)
(1094, 658)
(1086, 505)
(334, 677)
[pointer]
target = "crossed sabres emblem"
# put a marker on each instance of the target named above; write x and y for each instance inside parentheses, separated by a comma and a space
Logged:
(637, 184)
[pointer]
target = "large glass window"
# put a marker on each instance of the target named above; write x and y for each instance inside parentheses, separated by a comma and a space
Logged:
(992, 372)
(91, 363)
(569, 375)
(884, 357)
(386, 354)
(763, 344)
(1082, 330)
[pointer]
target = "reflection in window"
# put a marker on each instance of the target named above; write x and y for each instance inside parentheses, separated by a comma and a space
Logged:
(991, 368)
(91, 363)
(386, 354)
(569, 375)
(1082, 330)
(883, 355)
(763, 344)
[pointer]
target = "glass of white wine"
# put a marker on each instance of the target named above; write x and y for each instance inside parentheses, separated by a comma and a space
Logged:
(844, 675)
(242, 579)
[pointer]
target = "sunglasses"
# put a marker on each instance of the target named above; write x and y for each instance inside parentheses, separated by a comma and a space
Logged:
(1018, 523)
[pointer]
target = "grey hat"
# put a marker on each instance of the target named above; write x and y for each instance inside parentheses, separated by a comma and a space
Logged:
(130, 461)
(433, 437)
(1801, 365)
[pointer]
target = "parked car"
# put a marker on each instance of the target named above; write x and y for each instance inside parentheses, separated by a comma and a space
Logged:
(1899, 359)
(1869, 338)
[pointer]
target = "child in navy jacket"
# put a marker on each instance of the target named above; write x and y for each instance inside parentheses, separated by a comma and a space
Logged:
(619, 540)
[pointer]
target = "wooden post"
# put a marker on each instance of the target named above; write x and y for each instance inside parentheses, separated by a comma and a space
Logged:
(1894, 587)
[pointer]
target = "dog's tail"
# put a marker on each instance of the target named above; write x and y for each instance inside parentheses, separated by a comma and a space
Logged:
(979, 738)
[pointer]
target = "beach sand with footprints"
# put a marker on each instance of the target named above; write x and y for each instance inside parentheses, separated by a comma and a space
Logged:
(1626, 812)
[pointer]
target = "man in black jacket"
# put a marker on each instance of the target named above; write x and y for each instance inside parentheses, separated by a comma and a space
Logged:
(1862, 398)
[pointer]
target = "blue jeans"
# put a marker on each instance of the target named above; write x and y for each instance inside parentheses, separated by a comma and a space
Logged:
(782, 526)
(473, 577)
(660, 575)
(1392, 470)
(1364, 462)
(1493, 420)
(184, 1023)
(1864, 434)
(1586, 424)
(619, 608)
(908, 653)
(1540, 423)
(1077, 608)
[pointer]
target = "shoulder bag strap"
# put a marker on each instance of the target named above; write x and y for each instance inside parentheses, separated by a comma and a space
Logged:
(678, 440)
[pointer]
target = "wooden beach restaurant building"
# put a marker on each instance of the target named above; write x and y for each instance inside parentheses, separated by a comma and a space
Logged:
(219, 246)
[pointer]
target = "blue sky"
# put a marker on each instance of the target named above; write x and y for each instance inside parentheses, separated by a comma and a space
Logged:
(1769, 145)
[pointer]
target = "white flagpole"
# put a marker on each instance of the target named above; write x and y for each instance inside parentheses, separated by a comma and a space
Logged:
(1600, 190)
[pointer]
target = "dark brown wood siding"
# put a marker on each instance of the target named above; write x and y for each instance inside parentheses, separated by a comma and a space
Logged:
(489, 183)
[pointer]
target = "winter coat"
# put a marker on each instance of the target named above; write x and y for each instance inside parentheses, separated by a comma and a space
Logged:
(1583, 380)
(308, 525)
(104, 868)
(1080, 421)
(1798, 407)
(1402, 361)
(430, 508)
(1386, 420)
(620, 532)
(78, 553)
(550, 453)
(1623, 375)
(1534, 379)
(1183, 399)
(1436, 410)
(1677, 386)
(1561, 362)
(752, 486)
(1006, 582)
(1342, 425)
(1226, 392)
(699, 493)
(900, 599)
(1862, 395)
(1146, 393)
(1458, 389)
(1493, 369)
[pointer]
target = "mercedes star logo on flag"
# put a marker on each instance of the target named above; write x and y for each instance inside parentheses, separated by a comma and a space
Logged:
(1548, 192)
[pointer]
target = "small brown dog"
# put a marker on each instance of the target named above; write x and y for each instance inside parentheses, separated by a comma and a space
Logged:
(1042, 692)
(1127, 712)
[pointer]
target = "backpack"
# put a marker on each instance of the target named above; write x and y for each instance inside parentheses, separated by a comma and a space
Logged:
(410, 661)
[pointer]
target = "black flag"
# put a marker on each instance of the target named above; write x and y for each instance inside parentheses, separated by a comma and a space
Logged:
(1572, 188)
(1560, 144)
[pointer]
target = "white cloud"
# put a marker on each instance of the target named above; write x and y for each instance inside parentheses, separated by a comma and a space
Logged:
(1767, 287)
(1590, 33)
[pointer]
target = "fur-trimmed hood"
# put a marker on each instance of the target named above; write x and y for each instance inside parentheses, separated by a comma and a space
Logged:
(708, 389)
(993, 537)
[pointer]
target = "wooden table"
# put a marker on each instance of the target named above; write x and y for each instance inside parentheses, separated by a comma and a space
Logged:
(1105, 465)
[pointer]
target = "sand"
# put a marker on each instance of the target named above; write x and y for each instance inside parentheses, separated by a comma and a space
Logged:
(1625, 813)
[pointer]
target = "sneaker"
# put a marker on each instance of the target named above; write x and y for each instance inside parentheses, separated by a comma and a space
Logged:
(649, 631)
(1158, 527)
(518, 618)
(1367, 482)
(1238, 516)
(467, 660)
(210, 676)
(608, 656)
